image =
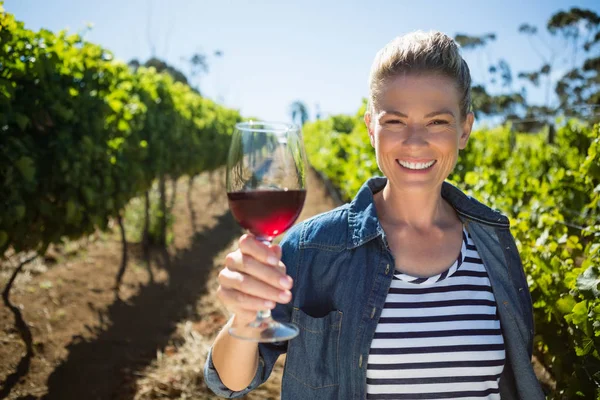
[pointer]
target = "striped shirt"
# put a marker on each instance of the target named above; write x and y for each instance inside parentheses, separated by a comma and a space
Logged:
(439, 337)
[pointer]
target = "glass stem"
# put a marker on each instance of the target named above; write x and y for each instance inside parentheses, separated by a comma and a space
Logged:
(263, 315)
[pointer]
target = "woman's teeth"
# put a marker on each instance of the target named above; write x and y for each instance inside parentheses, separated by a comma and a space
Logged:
(411, 165)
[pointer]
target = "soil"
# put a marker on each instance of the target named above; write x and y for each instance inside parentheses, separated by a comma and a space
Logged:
(90, 344)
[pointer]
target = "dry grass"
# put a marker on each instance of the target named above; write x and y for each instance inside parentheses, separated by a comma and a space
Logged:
(176, 373)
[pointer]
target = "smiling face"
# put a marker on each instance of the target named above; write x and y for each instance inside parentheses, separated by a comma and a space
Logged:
(417, 130)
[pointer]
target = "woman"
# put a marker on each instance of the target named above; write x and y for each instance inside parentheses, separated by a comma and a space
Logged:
(413, 290)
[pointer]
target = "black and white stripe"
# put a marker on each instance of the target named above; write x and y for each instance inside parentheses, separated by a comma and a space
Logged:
(439, 337)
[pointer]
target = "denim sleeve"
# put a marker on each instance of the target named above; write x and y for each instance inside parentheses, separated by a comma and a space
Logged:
(525, 294)
(268, 352)
(214, 383)
(268, 355)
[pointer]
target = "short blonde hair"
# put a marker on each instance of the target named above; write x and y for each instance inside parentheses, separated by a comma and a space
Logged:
(421, 53)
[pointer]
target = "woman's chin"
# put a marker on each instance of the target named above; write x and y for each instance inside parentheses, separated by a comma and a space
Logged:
(420, 183)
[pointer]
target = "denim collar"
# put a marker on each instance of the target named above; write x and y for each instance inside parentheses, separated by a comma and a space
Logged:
(364, 225)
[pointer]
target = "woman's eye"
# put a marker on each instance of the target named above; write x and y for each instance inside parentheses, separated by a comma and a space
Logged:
(439, 122)
(393, 121)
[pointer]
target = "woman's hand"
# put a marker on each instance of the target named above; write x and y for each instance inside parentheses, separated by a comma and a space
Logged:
(253, 279)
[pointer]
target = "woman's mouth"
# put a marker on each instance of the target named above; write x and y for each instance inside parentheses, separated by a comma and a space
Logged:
(416, 166)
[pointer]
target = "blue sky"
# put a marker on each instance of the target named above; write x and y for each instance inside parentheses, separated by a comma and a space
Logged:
(275, 52)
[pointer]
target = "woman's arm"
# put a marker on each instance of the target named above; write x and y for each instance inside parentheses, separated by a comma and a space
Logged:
(235, 360)
(254, 279)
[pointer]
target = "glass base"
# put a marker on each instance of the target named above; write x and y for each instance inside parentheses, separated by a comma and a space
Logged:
(265, 330)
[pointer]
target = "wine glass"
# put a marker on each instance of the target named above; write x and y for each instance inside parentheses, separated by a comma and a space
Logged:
(266, 189)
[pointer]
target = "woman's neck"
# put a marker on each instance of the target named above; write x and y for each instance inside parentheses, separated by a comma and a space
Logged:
(419, 211)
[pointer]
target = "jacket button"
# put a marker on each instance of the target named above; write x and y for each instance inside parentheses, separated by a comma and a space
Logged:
(373, 312)
(387, 269)
(360, 361)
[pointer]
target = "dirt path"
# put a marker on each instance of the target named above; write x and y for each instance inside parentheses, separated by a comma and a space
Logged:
(89, 345)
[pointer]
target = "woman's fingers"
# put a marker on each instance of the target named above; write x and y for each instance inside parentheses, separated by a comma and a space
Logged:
(277, 249)
(238, 301)
(248, 265)
(247, 283)
(259, 250)
(253, 279)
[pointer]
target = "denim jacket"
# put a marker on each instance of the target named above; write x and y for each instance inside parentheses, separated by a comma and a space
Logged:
(342, 269)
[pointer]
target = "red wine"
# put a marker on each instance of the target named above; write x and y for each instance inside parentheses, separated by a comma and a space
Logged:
(266, 213)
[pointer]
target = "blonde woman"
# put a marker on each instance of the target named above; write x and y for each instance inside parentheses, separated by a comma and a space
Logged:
(413, 290)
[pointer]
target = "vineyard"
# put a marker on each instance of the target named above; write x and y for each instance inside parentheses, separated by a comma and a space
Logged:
(82, 137)
(93, 154)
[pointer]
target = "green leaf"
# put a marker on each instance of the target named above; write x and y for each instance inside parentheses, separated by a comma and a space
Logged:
(115, 105)
(116, 143)
(123, 126)
(589, 281)
(579, 314)
(89, 195)
(471, 178)
(3, 239)
(22, 121)
(565, 304)
(20, 211)
(588, 345)
(26, 167)
(71, 209)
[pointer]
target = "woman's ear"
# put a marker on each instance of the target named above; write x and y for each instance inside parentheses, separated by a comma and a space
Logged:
(467, 126)
(369, 128)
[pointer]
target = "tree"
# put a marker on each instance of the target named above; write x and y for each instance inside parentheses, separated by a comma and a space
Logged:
(506, 101)
(569, 33)
(485, 104)
(198, 65)
(471, 43)
(161, 66)
(468, 42)
(579, 87)
(299, 112)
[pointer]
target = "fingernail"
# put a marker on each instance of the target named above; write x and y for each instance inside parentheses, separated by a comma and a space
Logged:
(274, 261)
(286, 282)
(269, 304)
(285, 296)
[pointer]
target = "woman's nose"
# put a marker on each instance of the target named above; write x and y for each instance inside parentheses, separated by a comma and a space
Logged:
(415, 135)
